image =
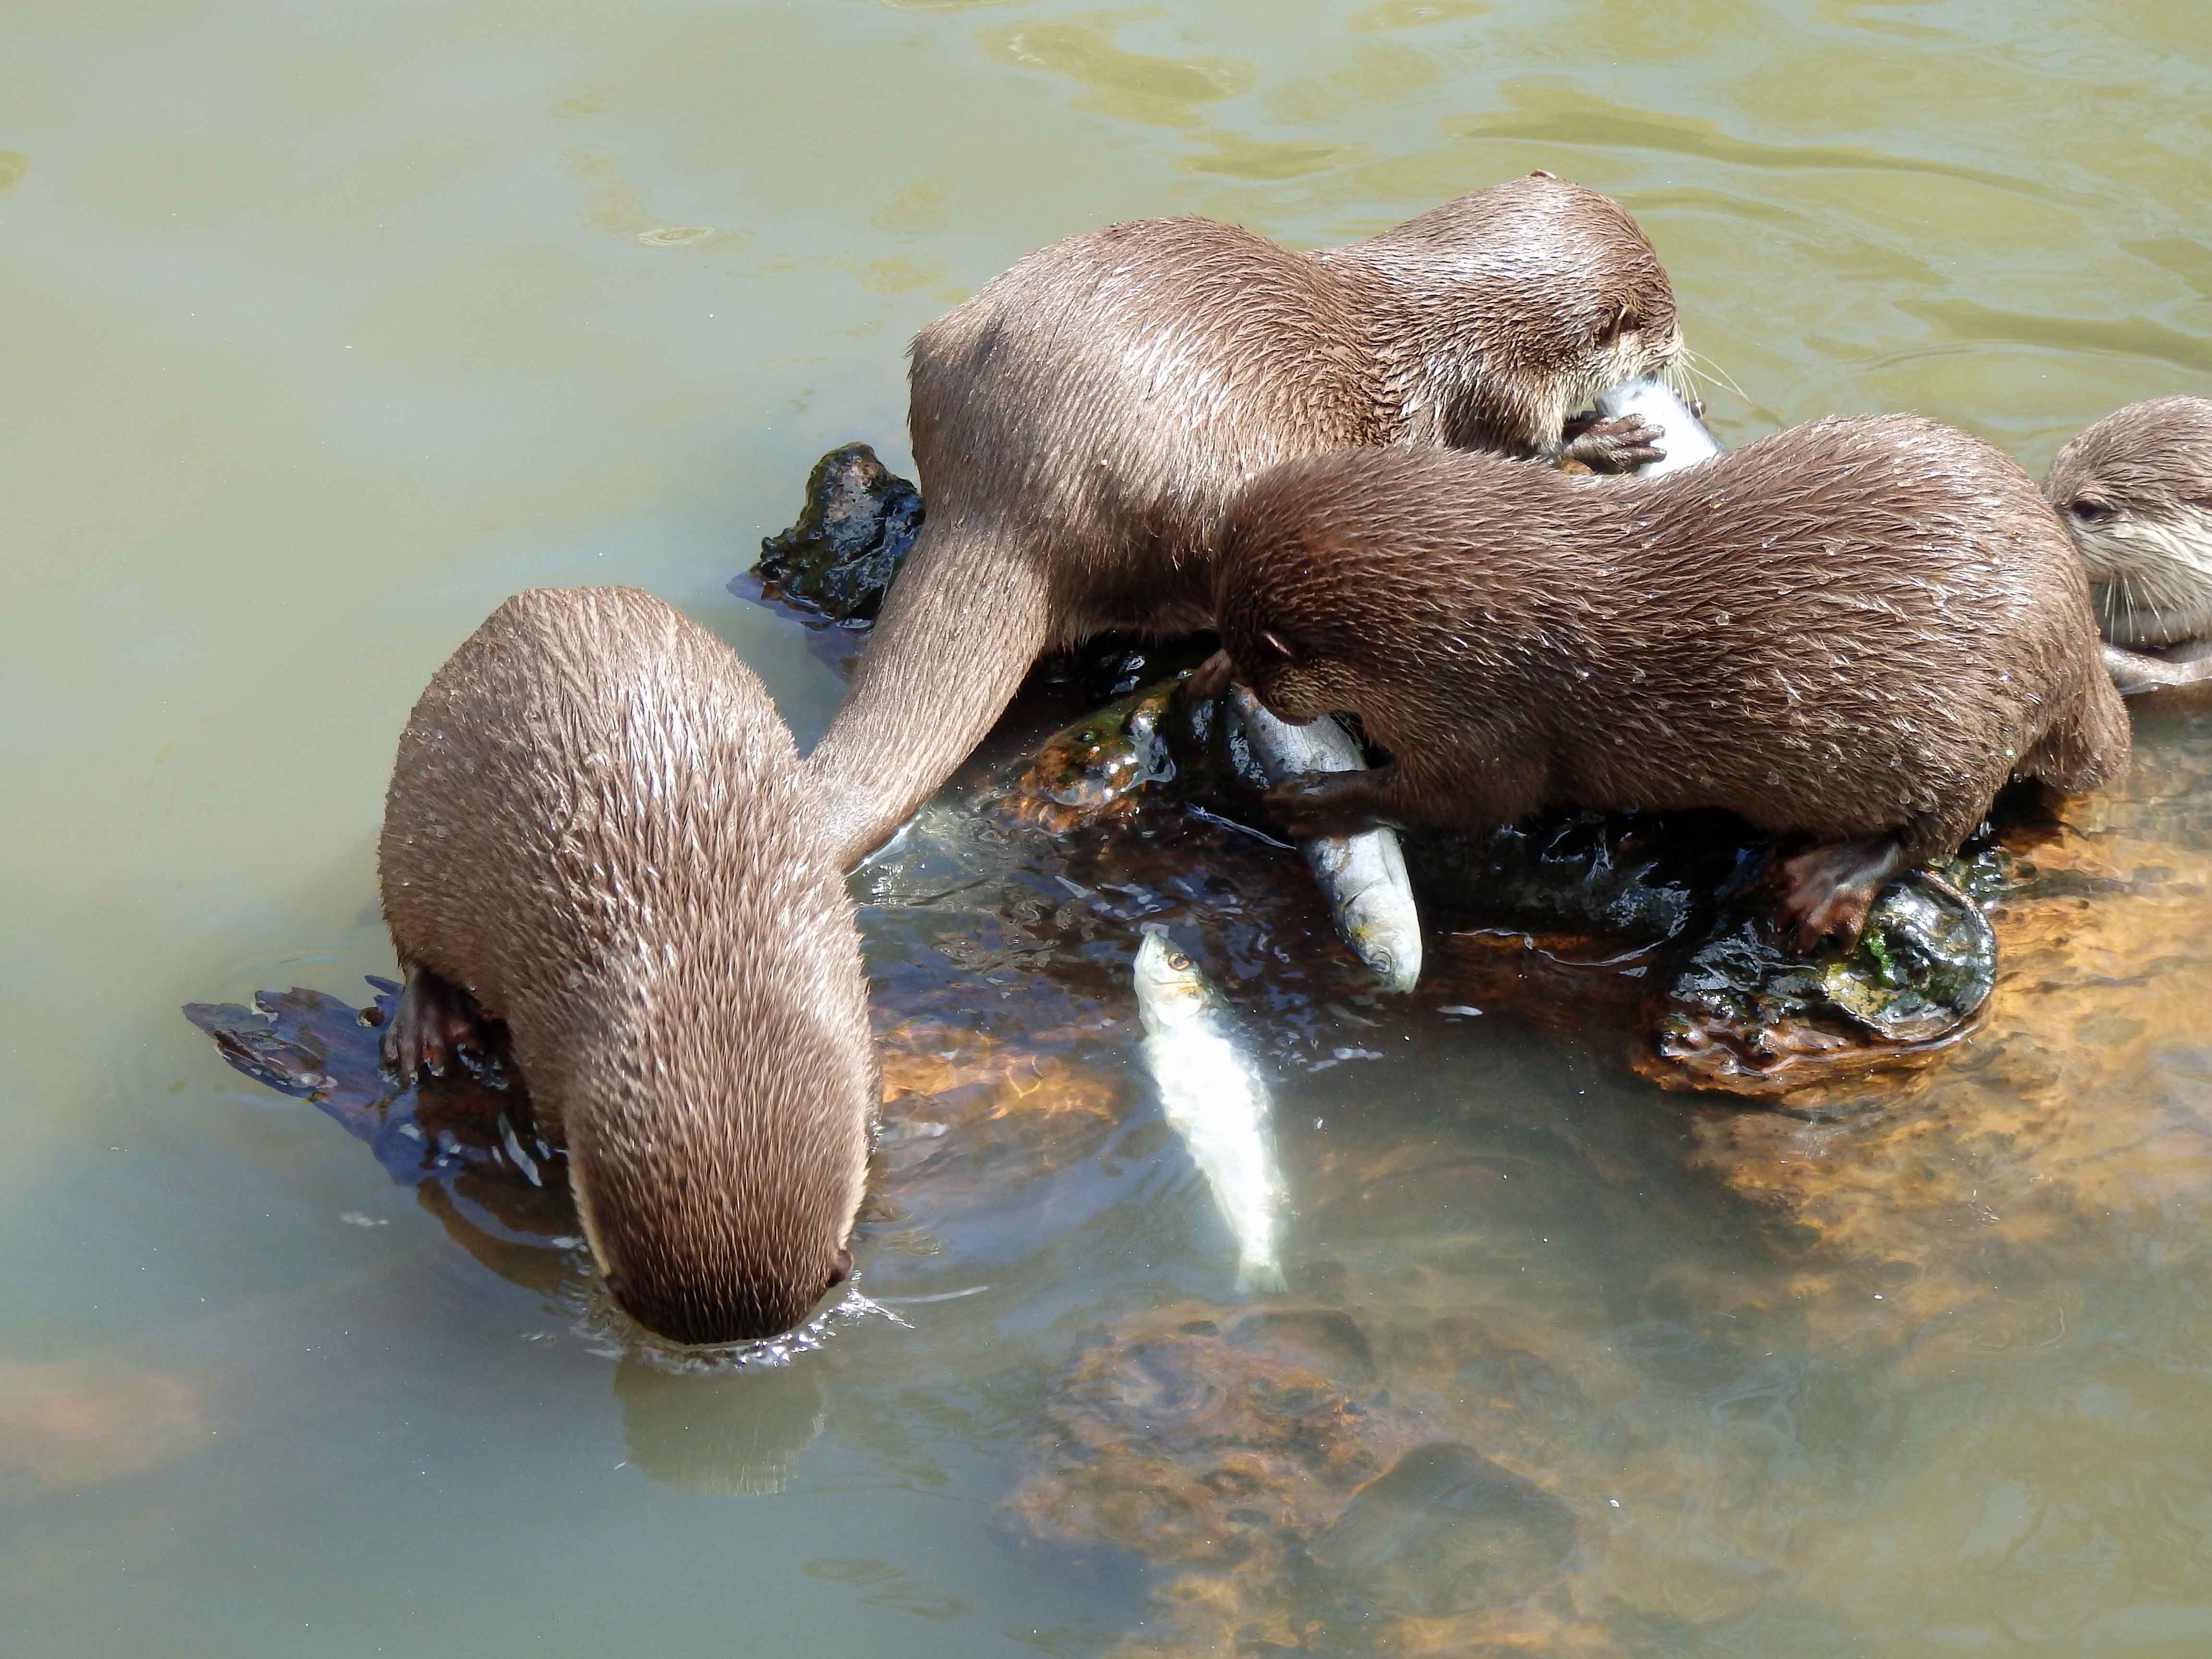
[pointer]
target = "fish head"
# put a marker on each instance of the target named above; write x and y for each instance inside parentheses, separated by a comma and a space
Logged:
(1170, 989)
(1384, 933)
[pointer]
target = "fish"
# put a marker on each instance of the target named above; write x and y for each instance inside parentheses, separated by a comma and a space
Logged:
(1681, 433)
(1215, 1101)
(1370, 899)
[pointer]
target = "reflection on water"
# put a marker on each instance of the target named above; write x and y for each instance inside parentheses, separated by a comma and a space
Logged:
(331, 326)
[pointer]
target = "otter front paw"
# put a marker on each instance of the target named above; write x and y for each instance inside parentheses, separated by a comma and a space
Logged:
(1826, 892)
(1213, 677)
(1325, 804)
(435, 1025)
(1620, 444)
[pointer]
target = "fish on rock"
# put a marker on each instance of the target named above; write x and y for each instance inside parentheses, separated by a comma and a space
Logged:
(1363, 876)
(1215, 1100)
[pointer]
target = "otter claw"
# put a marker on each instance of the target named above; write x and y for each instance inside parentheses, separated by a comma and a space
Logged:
(1620, 444)
(436, 1025)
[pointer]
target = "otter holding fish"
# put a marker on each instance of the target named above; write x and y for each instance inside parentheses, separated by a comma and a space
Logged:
(1082, 422)
(599, 832)
(1854, 632)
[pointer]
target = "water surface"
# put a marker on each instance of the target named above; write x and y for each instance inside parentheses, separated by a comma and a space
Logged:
(328, 326)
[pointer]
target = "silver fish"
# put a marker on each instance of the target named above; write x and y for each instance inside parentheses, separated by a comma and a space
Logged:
(1681, 433)
(1364, 876)
(1214, 1100)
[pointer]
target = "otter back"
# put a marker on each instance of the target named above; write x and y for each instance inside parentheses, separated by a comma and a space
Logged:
(1853, 628)
(598, 826)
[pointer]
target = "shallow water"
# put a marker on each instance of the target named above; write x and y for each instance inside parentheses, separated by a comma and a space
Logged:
(327, 326)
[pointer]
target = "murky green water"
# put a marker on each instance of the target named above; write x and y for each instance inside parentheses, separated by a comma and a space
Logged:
(325, 326)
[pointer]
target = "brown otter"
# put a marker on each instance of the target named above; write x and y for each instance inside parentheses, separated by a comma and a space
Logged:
(1855, 631)
(2136, 493)
(1080, 424)
(598, 830)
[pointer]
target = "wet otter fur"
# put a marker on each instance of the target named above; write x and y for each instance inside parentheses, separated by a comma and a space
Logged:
(599, 832)
(1080, 424)
(1854, 632)
(2134, 491)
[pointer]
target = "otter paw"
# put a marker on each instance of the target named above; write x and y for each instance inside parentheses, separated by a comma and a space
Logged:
(435, 1025)
(1324, 804)
(1620, 444)
(1213, 677)
(1826, 892)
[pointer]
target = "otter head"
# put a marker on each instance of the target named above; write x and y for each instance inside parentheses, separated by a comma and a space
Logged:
(1296, 679)
(716, 1101)
(1290, 580)
(1507, 310)
(2135, 492)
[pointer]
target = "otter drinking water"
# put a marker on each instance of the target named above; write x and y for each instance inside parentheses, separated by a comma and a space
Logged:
(1082, 422)
(1854, 632)
(599, 832)
(2134, 491)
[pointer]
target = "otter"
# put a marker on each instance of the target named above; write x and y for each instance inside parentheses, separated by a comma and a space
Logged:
(2135, 492)
(1080, 424)
(1854, 632)
(599, 832)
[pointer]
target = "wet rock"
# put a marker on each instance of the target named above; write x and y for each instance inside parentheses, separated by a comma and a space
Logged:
(1676, 901)
(1745, 1013)
(1447, 1531)
(855, 530)
(1639, 876)
(1092, 771)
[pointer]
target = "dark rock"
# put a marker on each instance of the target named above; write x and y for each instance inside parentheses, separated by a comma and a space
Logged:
(855, 530)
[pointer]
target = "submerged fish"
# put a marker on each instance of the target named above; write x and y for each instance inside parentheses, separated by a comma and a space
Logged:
(1364, 876)
(1681, 433)
(1214, 1100)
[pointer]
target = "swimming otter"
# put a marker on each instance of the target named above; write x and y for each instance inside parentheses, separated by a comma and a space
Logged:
(1081, 423)
(599, 832)
(2134, 491)
(1855, 631)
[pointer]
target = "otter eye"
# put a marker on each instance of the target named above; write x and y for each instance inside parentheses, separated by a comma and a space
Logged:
(2089, 509)
(1178, 961)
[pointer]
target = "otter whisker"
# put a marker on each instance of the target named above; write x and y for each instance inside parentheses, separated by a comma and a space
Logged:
(1706, 367)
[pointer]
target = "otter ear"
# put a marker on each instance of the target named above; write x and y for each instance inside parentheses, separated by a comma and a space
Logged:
(1277, 646)
(1541, 173)
(841, 1268)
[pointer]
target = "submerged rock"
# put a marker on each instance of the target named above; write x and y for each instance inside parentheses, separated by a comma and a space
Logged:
(1447, 1531)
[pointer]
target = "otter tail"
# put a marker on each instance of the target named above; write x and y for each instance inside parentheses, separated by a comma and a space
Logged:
(2088, 747)
(967, 614)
